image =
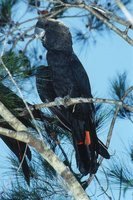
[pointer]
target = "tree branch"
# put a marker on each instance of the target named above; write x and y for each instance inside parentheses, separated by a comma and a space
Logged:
(105, 19)
(11, 119)
(71, 182)
(125, 11)
(73, 101)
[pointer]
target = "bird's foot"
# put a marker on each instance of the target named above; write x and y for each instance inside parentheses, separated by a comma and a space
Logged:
(66, 100)
(62, 101)
(58, 101)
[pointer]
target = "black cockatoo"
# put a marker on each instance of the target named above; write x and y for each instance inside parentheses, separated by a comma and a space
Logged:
(12, 101)
(65, 76)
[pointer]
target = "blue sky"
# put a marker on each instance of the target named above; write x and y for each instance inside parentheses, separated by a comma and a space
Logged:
(111, 54)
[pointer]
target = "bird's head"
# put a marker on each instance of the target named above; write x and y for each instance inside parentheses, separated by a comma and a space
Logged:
(56, 35)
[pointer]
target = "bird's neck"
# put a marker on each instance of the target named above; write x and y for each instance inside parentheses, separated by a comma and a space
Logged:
(66, 52)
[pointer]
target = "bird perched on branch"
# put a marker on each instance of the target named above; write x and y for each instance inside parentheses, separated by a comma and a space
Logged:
(65, 76)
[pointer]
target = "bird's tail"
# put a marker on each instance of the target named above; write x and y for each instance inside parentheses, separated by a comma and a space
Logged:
(86, 155)
(86, 143)
(88, 147)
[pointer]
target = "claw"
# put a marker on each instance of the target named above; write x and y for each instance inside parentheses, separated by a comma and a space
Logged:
(62, 101)
(58, 101)
(66, 99)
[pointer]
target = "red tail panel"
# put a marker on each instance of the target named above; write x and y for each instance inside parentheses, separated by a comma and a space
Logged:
(87, 137)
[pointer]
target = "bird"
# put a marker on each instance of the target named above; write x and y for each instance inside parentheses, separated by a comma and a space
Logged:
(66, 77)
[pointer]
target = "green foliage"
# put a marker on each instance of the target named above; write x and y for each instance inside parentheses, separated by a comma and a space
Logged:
(5, 11)
(17, 64)
(34, 2)
(14, 104)
(131, 153)
(121, 174)
(102, 116)
(119, 87)
(44, 182)
(10, 99)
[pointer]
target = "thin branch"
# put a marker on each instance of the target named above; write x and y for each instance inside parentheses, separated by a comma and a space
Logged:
(72, 101)
(104, 19)
(125, 11)
(25, 48)
(52, 14)
(105, 192)
(130, 89)
(112, 126)
(113, 17)
(72, 184)
(106, 176)
(22, 35)
(120, 189)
